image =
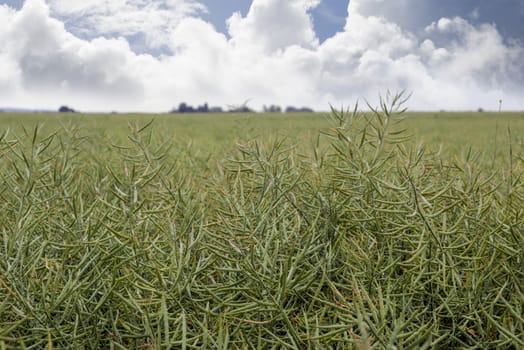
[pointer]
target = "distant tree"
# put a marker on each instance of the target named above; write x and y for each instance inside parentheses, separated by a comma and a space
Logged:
(203, 109)
(65, 109)
(243, 108)
(215, 110)
(291, 109)
(272, 109)
(185, 108)
(182, 107)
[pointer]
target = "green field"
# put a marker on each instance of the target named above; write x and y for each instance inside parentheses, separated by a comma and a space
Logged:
(333, 230)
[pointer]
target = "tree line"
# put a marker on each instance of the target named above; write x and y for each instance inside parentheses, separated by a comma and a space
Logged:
(185, 108)
(205, 108)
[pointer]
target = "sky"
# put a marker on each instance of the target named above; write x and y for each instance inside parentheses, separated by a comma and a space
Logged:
(149, 56)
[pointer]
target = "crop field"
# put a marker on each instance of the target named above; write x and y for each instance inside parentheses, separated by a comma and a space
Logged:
(340, 230)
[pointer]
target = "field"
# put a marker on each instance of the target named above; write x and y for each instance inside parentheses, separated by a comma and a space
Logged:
(341, 230)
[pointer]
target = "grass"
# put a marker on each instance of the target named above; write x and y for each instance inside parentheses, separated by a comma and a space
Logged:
(263, 231)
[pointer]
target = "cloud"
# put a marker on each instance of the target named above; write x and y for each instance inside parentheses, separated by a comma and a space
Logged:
(153, 19)
(477, 54)
(475, 13)
(272, 56)
(9, 67)
(453, 64)
(49, 63)
(272, 25)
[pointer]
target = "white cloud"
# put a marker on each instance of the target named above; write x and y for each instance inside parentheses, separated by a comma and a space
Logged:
(478, 55)
(475, 13)
(9, 67)
(274, 25)
(271, 57)
(51, 64)
(154, 19)
(472, 66)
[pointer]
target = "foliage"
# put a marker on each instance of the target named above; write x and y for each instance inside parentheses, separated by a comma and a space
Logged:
(359, 239)
(291, 109)
(185, 108)
(66, 109)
